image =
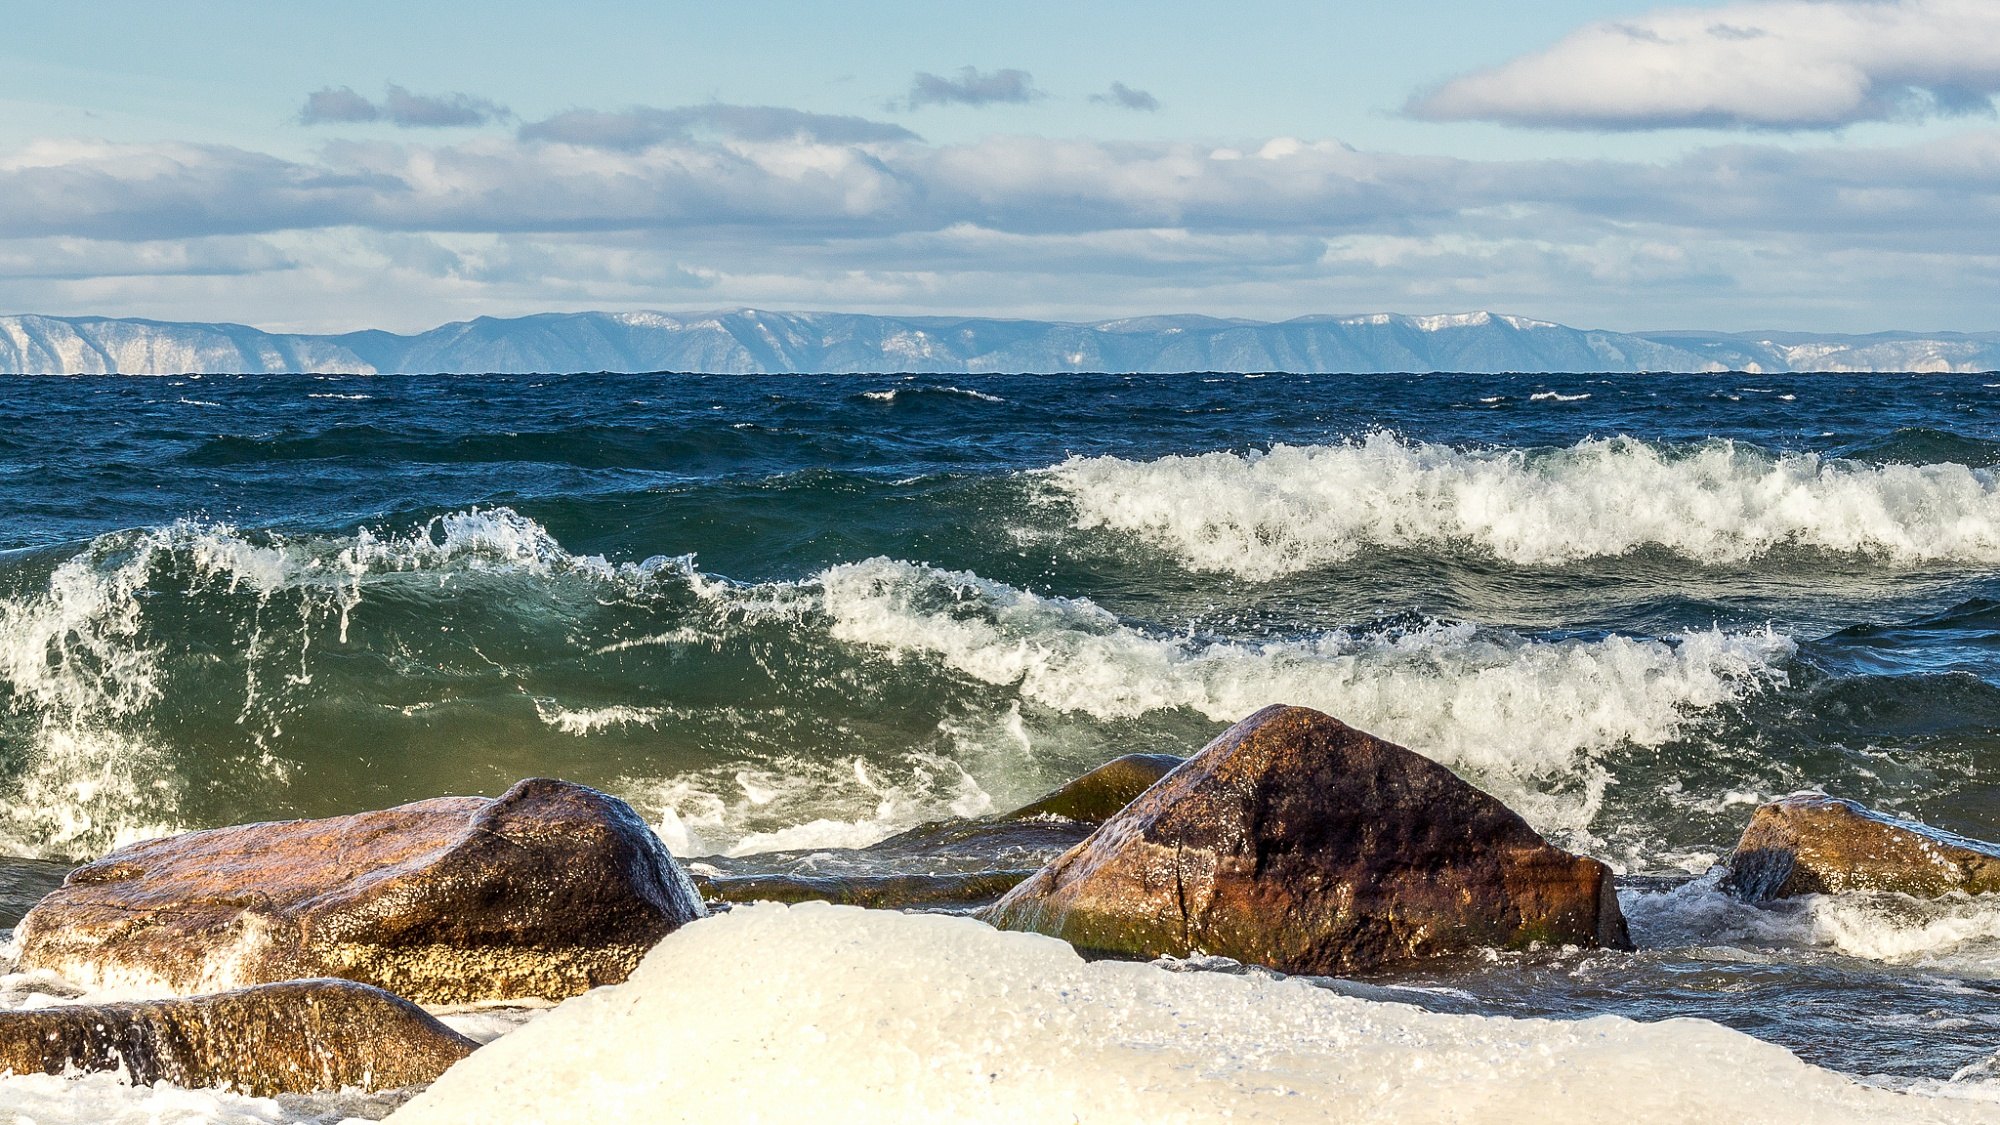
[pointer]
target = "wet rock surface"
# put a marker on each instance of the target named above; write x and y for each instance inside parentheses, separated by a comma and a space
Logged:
(942, 890)
(944, 864)
(1100, 794)
(296, 1037)
(1295, 841)
(547, 890)
(1809, 843)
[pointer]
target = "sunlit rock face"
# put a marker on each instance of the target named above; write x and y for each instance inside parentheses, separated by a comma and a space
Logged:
(1298, 842)
(1809, 843)
(547, 890)
(297, 1037)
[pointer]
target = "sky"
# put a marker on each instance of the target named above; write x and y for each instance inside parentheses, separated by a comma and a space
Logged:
(1813, 165)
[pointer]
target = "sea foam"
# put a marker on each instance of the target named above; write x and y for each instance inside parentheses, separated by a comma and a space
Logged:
(1528, 718)
(770, 1013)
(1266, 514)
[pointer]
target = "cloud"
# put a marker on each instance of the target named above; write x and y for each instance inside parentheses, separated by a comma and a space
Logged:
(764, 205)
(1767, 64)
(1125, 97)
(972, 87)
(337, 105)
(400, 107)
(643, 126)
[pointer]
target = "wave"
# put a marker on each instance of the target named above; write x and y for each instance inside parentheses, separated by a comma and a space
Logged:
(897, 394)
(194, 674)
(1264, 515)
(1957, 933)
(1528, 718)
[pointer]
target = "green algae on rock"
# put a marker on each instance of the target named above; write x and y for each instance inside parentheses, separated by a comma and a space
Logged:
(1097, 796)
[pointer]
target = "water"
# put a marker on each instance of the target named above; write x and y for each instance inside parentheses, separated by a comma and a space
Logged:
(793, 614)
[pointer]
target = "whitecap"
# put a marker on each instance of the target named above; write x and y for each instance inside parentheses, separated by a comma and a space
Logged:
(1266, 514)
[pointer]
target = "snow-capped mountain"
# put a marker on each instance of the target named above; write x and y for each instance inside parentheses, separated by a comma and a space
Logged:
(752, 341)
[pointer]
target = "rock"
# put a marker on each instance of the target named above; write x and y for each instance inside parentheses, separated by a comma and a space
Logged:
(943, 864)
(1098, 795)
(1809, 843)
(548, 890)
(926, 890)
(1298, 842)
(292, 1038)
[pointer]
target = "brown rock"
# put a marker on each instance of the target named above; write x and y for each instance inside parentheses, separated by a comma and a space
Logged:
(1298, 842)
(944, 864)
(291, 1038)
(1098, 795)
(910, 890)
(1809, 843)
(548, 890)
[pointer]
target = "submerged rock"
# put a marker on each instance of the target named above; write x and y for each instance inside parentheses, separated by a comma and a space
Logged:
(1098, 795)
(548, 890)
(944, 864)
(950, 890)
(1809, 843)
(292, 1038)
(1298, 842)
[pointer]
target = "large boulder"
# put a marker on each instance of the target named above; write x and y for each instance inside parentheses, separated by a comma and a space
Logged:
(1298, 842)
(548, 890)
(291, 1038)
(1809, 843)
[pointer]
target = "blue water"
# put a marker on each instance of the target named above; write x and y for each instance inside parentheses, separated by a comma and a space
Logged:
(789, 615)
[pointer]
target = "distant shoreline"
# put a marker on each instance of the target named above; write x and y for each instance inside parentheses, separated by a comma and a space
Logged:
(750, 341)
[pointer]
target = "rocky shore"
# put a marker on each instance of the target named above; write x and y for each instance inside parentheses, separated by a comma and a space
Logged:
(300, 956)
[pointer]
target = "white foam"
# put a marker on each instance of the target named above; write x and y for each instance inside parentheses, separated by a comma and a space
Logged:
(819, 1013)
(894, 393)
(1263, 515)
(1526, 718)
(590, 720)
(1959, 934)
(784, 804)
(102, 1099)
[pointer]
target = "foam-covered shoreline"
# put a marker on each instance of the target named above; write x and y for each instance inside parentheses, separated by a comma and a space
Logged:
(881, 1016)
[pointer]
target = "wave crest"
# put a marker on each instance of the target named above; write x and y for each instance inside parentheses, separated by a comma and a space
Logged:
(1528, 718)
(1264, 515)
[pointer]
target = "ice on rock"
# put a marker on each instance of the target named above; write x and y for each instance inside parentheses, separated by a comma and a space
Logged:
(819, 1013)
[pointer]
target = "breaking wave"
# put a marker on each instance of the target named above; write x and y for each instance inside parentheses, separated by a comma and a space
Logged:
(155, 677)
(1263, 515)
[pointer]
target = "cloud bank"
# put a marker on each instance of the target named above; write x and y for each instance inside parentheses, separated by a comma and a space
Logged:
(699, 206)
(1771, 64)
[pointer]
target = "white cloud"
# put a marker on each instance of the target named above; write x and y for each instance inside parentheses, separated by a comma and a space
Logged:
(760, 209)
(1768, 64)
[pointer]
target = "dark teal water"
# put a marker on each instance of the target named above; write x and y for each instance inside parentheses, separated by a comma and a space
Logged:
(804, 613)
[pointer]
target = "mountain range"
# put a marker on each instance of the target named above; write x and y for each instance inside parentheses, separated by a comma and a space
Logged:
(752, 341)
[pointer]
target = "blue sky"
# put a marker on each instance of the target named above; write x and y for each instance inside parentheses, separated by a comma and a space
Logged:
(1809, 164)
